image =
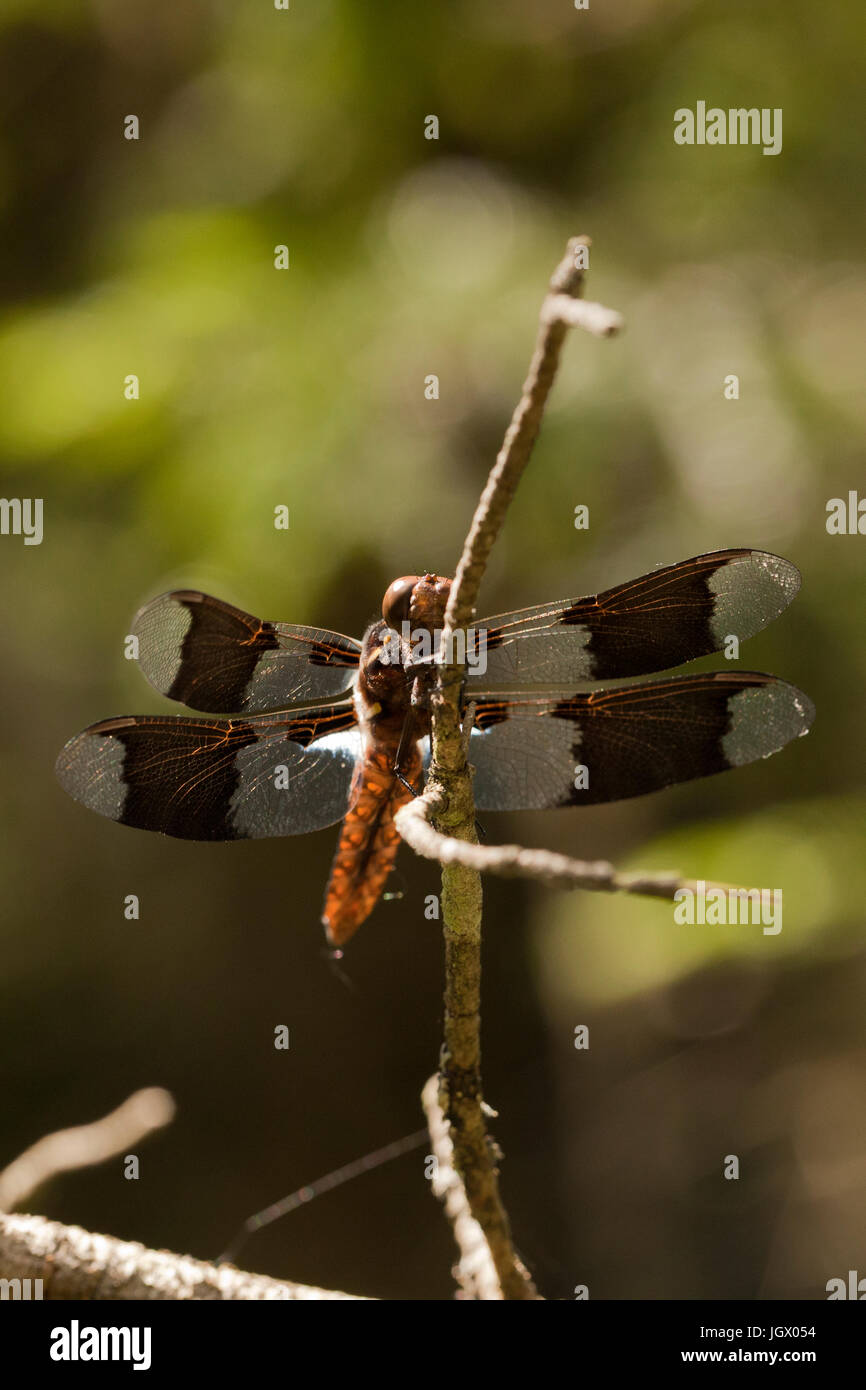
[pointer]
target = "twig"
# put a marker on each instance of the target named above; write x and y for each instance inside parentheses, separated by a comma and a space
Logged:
(76, 1264)
(475, 1271)
(579, 313)
(450, 783)
(85, 1145)
(513, 861)
(565, 287)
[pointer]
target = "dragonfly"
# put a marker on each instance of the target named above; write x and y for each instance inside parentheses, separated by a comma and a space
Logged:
(325, 728)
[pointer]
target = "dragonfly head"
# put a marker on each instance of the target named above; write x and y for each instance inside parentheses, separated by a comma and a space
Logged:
(419, 600)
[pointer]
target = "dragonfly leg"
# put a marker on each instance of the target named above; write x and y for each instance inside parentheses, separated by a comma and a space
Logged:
(404, 782)
(405, 738)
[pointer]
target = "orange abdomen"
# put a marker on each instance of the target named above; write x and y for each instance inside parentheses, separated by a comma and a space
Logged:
(368, 842)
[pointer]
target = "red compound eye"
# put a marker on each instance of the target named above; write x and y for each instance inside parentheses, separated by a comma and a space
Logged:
(398, 597)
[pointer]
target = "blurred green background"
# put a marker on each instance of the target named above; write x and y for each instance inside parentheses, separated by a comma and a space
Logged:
(305, 387)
